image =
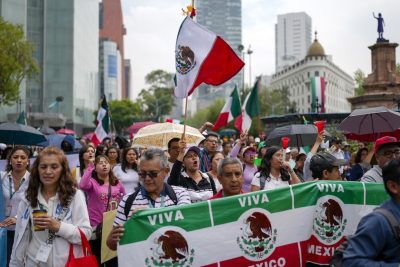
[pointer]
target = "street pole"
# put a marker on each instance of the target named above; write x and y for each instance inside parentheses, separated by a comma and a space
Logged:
(249, 52)
(242, 52)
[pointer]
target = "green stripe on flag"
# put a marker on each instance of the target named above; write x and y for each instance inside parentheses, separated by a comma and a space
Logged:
(236, 108)
(372, 196)
(313, 95)
(189, 217)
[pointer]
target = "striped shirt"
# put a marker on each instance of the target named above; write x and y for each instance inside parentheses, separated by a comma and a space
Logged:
(142, 200)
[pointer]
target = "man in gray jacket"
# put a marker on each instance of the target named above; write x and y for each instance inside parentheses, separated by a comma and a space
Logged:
(386, 149)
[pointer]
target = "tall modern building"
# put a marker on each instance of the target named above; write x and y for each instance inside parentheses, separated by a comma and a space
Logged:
(224, 18)
(112, 65)
(128, 77)
(65, 38)
(292, 38)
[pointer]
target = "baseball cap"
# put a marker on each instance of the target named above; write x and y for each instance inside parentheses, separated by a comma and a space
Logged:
(249, 149)
(386, 140)
(324, 160)
(193, 148)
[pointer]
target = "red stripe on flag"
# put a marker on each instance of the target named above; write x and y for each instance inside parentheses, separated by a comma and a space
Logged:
(95, 140)
(221, 121)
(221, 64)
(239, 122)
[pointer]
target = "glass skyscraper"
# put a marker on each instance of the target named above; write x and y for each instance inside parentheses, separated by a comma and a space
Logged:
(65, 36)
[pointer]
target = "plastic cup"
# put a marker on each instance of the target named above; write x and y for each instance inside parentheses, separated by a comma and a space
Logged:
(285, 142)
(320, 125)
(37, 213)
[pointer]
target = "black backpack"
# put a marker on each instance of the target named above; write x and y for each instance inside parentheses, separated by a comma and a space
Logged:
(129, 201)
(337, 258)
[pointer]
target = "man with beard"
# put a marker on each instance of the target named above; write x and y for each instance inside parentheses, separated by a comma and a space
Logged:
(199, 185)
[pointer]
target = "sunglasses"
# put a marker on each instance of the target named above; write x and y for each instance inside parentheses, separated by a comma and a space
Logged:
(151, 174)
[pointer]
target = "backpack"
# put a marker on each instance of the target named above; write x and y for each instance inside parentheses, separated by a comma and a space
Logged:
(129, 201)
(337, 258)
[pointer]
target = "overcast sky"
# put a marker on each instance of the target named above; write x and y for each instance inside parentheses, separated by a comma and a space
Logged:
(345, 29)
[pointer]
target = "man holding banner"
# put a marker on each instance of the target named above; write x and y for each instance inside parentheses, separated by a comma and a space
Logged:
(154, 193)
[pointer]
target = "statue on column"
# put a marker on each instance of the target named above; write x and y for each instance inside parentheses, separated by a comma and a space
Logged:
(381, 24)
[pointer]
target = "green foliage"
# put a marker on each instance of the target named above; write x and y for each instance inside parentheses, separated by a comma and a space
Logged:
(398, 68)
(207, 114)
(158, 100)
(123, 113)
(16, 61)
(276, 102)
(359, 77)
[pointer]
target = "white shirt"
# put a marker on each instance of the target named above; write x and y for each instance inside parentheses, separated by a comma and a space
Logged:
(129, 179)
(10, 196)
(40, 237)
(274, 182)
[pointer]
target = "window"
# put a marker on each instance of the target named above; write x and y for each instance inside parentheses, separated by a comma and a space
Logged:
(308, 99)
(316, 73)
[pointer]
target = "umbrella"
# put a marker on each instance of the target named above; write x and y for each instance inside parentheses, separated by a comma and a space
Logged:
(300, 135)
(66, 131)
(57, 139)
(370, 123)
(227, 132)
(159, 134)
(19, 134)
(47, 130)
(136, 126)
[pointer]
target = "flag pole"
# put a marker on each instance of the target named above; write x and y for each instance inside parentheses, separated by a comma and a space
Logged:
(186, 99)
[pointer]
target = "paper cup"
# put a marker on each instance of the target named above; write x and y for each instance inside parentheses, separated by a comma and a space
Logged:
(37, 213)
(320, 125)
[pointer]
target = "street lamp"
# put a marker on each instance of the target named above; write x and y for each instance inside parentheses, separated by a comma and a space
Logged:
(316, 105)
(241, 50)
(249, 52)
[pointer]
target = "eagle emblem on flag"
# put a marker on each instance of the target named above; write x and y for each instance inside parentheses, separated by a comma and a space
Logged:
(185, 59)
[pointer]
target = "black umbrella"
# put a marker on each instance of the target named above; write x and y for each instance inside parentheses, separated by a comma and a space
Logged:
(371, 121)
(19, 134)
(47, 130)
(300, 135)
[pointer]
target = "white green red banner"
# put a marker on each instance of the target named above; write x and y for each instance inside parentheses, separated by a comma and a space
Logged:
(289, 226)
(318, 94)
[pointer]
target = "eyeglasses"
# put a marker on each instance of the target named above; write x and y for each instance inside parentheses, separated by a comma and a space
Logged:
(212, 141)
(390, 153)
(151, 174)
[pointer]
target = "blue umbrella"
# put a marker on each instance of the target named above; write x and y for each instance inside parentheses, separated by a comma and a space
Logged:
(57, 139)
(18, 134)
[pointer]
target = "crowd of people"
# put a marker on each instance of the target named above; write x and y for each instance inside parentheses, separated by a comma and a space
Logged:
(48, 203)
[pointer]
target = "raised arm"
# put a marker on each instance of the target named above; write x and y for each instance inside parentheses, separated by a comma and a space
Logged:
(86, 182)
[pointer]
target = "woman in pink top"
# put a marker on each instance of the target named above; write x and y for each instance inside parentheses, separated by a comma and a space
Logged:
(104, 192)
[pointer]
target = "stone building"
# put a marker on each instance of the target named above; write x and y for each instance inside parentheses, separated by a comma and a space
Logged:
(298, 79)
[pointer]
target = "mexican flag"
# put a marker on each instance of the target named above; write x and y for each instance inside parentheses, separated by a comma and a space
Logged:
(251, 109)
(202, 57)
(318, 93)
(103, 123)
(287, 226)
(230, 110)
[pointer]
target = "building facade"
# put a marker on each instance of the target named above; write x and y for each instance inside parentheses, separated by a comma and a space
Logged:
(128, 77)
(297, 78)
(65, 39)
(224, 18)
(112, 29)
(292, 38)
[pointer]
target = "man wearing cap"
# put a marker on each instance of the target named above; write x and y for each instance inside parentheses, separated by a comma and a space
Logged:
(324, 166)
(386, 149)
(230, 175)
(199, 185)
(206, 153)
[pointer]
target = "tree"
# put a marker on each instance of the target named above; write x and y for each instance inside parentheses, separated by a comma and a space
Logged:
(123, 113)
(207, 114)
(398, 68)
(158, 100)
(16, 61)
(359, 77)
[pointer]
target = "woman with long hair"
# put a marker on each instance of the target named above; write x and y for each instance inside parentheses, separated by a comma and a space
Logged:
(361, 166)
(274, 172)
(49, 218)
(14, 181)
(127, 171)
(213, 171)
(104, 192)
(86, 155)
(113, 155)
(100, 150)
